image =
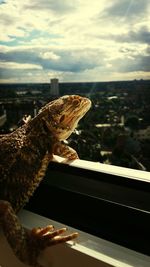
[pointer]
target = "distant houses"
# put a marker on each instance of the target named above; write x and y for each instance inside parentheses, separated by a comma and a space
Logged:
(24, 93)
(53, 91)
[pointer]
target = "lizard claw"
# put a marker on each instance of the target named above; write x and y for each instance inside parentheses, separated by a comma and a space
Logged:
(39, 231)
(47, 236)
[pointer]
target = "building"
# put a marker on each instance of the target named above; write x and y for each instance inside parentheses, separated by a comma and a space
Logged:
(54, 89)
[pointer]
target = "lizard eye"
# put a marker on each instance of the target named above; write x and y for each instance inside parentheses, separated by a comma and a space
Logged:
(62, 118)
(76, 102)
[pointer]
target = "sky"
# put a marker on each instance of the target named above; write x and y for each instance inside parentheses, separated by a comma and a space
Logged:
(74, 40)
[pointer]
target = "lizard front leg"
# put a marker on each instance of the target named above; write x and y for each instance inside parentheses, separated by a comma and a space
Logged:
(27, 244)
(61, 149)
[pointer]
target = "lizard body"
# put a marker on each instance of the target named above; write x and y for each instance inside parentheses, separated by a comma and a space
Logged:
(24, 158)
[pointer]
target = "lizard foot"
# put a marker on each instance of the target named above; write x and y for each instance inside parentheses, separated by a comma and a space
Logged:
(28, 244)
(48, 236)
(65, 151)
(41, 238)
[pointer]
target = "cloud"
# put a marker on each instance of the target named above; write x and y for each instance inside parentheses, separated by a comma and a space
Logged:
(145, 63)
(58, 6)
(126, 9)
(60, 60)
(141, 35)
(12, 65)
(7, 20)
(138, 63)
(83, 64)
(2, 2)
(18, 76)
(74, 39)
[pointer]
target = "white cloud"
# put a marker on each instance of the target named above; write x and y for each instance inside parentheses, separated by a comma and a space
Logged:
(49, 55)
(13, 65)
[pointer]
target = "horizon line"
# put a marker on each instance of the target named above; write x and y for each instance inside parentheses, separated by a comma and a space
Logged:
(61, 82)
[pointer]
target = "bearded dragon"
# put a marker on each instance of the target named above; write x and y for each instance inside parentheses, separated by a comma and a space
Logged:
(24, 158)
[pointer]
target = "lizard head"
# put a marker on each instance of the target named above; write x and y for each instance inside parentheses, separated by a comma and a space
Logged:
(62, 115)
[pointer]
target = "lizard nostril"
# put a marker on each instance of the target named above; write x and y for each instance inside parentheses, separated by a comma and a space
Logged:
(62, 118)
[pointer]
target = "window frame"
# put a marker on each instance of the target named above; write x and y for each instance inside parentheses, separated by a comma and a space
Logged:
(109, 203)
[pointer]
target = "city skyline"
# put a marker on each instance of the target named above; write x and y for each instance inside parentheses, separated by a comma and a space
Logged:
(74, 40)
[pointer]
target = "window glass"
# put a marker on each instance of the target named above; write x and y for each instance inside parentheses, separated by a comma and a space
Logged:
(98, 49)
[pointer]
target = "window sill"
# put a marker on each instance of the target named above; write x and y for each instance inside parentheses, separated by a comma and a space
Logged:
(109, 169)
(87, 250)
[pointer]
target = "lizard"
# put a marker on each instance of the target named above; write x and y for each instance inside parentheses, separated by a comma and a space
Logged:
(24, 157)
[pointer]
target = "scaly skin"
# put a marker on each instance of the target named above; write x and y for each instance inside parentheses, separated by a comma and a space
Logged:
(24, 158)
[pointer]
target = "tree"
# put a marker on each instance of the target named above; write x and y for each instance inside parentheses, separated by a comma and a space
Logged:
(132, 122)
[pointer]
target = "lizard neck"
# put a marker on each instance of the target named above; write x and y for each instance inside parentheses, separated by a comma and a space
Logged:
(38, 134)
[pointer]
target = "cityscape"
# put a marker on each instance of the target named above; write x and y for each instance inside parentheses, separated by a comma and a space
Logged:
(101, 51)
(115, 131)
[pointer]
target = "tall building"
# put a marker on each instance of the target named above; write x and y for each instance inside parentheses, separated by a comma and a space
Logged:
(54, 89)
